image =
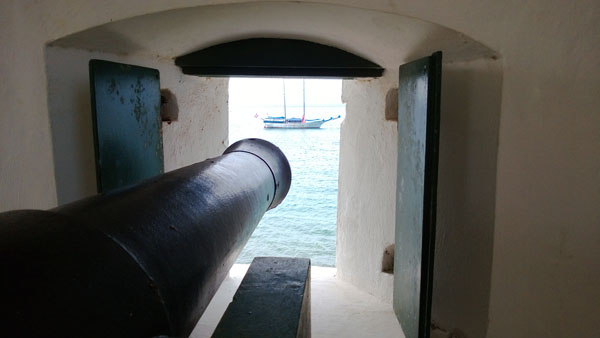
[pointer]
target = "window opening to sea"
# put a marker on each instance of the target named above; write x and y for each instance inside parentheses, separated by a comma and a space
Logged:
(304, 225)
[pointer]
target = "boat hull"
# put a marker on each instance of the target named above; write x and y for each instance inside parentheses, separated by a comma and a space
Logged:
(295, 125)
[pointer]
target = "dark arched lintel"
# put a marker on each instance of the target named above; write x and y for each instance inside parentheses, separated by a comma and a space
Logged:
(276, 57)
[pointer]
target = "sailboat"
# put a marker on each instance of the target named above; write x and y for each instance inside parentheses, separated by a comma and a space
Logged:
(283, 122)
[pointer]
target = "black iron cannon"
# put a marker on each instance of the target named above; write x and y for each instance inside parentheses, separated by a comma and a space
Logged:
(143, 261)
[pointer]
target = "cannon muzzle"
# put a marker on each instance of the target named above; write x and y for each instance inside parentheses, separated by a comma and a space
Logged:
(143, 261)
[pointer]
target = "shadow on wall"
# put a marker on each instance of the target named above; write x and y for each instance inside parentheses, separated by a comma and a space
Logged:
(470, 117)
(71, 123)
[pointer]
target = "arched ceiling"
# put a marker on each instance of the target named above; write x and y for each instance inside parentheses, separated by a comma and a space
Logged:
(387, 39)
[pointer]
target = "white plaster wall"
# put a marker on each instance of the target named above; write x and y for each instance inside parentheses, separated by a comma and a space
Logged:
(366, 186)
(26, 170)
(545, 270)
(199, 133)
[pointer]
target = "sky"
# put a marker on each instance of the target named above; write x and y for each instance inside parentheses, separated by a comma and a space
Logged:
(252, 92)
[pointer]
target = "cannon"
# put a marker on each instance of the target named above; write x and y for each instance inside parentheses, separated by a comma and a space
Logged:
(143, 261)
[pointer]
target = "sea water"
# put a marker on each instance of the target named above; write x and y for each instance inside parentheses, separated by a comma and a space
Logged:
(304, 224)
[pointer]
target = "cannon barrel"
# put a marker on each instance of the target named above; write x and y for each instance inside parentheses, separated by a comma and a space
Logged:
(143, 261)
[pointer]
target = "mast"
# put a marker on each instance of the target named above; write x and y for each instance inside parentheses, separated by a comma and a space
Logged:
(284, 105)
(303, 101)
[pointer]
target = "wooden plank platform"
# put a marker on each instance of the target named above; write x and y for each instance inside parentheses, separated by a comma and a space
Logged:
(273, 301)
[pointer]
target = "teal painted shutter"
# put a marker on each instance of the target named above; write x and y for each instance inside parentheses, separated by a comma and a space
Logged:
(127, 123)
(416, 192)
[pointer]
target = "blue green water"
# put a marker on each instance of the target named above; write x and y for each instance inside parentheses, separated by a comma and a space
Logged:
(304, 225)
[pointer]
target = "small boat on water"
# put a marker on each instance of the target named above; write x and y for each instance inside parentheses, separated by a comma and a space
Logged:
(295, 123)
(282, 122)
